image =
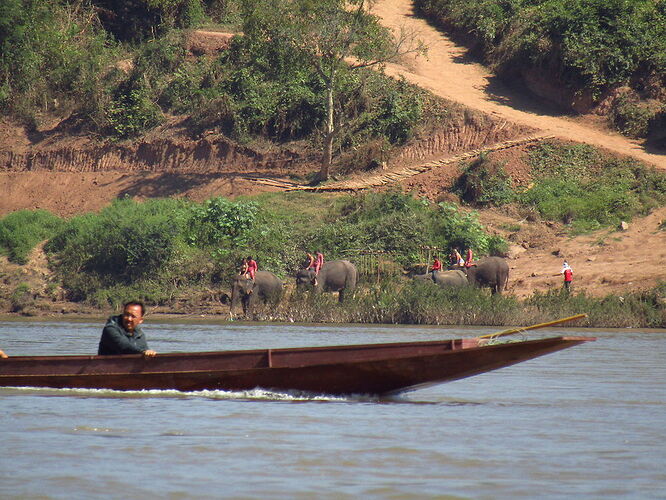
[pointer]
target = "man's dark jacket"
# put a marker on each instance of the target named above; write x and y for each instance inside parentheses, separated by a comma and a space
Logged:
(116, 340)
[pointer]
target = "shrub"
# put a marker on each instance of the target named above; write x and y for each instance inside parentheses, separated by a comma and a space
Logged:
(453, 228)
(485, 183)
(221, 222)
(21, 298)
(51, 55)
(21, 231)
(125, 242)
(633, 309)
(132, 113)
(634, 118)
(577, 184)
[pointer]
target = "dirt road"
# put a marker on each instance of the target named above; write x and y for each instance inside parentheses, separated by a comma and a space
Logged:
(605, 261)
(448, 72)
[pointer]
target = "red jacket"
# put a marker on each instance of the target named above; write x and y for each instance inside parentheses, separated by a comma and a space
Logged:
(252, 268)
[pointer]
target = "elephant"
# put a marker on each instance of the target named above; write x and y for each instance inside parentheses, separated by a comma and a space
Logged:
(265, 288)
(491, 272)
(445, 279)
(335, 276)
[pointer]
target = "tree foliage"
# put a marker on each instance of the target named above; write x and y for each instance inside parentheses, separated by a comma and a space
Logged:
(51, 55)
(332, 36)
(585, 45)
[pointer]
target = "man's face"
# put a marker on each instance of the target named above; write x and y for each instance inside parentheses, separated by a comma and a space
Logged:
(132, 317)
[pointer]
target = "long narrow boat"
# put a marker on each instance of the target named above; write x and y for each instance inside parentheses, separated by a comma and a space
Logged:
(347, 369)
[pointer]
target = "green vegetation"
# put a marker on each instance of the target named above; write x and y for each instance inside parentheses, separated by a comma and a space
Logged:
(326, 41)
(159, 248)
(571, 183)
(21, 298)
(21, 231)
(170, 252)
(52, 56)
(577, 184)
(119, 68)
(634, 309)
(174, 252)
(485, 183)
(586, 45)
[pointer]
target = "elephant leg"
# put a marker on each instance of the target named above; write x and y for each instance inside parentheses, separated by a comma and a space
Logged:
(341, 296)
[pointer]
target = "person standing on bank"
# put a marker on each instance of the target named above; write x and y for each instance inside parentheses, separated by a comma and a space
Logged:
(567, 272)
(122, 334)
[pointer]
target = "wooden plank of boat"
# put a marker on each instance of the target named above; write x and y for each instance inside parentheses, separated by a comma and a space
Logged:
(346, 369)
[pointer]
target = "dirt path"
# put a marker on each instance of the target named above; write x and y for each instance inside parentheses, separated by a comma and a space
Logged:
(604, 262)
(448, 72)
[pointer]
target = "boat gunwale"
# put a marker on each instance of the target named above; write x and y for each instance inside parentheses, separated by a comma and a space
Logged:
(480, 344)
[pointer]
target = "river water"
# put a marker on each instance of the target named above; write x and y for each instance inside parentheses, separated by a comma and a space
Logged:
(586, 422)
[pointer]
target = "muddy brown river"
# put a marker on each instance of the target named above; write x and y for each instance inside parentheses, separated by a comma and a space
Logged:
(586, 422)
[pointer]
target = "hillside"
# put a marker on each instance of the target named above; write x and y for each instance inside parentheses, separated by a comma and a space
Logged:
(69, 174)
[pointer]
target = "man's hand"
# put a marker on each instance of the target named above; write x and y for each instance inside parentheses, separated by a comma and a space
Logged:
(149, 353)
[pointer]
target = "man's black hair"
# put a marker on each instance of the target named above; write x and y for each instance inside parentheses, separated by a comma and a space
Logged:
(135, 303)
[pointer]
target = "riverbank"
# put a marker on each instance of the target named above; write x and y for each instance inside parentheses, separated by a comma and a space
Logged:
(406, 303)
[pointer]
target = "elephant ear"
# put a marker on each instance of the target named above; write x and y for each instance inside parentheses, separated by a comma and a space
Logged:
(225, 299)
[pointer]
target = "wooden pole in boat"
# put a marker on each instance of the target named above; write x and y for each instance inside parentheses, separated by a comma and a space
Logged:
(532, 327)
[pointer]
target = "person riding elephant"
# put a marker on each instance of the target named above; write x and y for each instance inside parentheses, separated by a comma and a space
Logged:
(491, 272)
(445, 279)
(334, 276)
(265, 288)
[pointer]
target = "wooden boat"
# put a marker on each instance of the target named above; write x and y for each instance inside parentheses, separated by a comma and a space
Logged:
(347, 369)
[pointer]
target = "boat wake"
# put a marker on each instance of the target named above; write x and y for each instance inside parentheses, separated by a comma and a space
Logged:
(249, 395)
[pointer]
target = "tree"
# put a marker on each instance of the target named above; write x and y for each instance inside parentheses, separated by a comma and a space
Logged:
(334, 37)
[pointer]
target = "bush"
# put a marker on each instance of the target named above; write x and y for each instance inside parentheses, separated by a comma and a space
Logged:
(132, 113)
(137, 20)
(21, 231)
(221, 222)
(632, 310)
(127, 241)
(577, 184)
(453, 228)
(21, 298)
(485, 183)
(634, 118)
(587, 45)
(51, 55)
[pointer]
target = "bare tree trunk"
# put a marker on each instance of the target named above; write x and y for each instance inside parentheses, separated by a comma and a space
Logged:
(327, 156)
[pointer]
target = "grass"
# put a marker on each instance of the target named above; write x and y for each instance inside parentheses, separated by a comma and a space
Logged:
(401, 302)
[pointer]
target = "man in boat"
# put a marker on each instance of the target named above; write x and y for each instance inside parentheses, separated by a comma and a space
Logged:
(122, 334)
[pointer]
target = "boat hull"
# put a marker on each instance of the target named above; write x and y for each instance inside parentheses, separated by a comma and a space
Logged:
(354, 369)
